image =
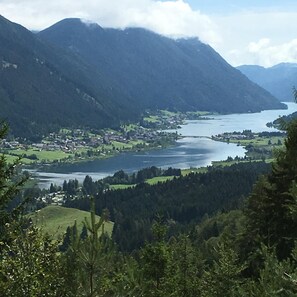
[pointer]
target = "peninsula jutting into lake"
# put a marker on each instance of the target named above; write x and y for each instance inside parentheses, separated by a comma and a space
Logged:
(188, 151)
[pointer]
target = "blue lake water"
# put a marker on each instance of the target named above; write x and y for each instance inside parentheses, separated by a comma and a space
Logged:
(189, 151)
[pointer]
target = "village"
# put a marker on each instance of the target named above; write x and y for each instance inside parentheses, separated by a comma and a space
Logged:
(72, 145)
(235, 136)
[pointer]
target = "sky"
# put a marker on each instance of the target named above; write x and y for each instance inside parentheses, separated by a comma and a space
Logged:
(261, 32)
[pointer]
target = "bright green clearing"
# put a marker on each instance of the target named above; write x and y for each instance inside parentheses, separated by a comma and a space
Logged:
(152, 119)
(151, 181)
(42, 155)
(54, 220)
(228, 163)
(130, 127)
(10, 159)
(193, 170)
(158, 179)
(121, 187)
(260, 141)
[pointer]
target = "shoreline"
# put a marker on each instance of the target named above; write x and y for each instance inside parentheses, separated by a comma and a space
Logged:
(56, 165)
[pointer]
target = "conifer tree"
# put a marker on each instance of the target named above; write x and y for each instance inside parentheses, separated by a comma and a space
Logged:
(11, 181)
(184, 269)
(224, 277)
(270, 214)
(154, 261)
(90, 255)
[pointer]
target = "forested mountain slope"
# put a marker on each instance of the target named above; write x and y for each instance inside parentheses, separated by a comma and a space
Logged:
(160, 72)
(43, 88)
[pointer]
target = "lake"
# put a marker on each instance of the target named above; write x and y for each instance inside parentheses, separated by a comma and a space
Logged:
(188, 152)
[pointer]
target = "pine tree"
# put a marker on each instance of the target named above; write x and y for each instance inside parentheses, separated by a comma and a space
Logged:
(224, 277)
(268, 211)
(89, 257)
(184, 269)
(276, 278)
(154, 261)
(11, 182)
(270, 214)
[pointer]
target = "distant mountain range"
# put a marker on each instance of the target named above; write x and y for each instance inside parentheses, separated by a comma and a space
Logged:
(75, 74)
(278, 80)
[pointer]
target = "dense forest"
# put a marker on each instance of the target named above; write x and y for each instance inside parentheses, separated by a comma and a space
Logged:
(183, 201)
(210, 234)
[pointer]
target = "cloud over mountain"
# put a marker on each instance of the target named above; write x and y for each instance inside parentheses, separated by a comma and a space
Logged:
(227, 26)
(171, 18)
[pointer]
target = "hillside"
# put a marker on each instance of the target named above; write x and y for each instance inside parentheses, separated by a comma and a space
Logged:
(278, 80)
(54, 220)
(159, 72)
(183, 200)
(43, 88)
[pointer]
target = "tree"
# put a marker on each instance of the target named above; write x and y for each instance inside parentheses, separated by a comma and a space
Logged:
(154, 260)
(11, 182)
(52, 188)
(89, 187)
(184, 268)
(30, 265)
(270, 214)
(277, 278)
(224, 277)
(88, 257)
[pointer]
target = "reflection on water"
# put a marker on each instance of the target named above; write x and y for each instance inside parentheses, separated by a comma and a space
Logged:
(188, 152)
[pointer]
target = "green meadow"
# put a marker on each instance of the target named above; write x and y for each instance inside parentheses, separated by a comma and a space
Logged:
(54, 220)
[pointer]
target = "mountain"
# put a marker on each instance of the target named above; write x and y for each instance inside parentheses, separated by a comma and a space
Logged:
(75, 74)
(278, 80)
(43, 88)
(160, 72)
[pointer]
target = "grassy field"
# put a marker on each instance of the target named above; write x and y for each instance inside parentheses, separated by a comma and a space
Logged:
(201, 113)
(158, 179)
(41, 156)
(10, 159)
(121, 187)
(193, 170)
(152, 119)
(130, 127)
(54, 220)
(47, 156)
(120, 145)
(260, 141)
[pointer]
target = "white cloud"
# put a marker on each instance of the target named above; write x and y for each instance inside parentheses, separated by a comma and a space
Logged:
(258, 37)
(263, 36)
(268, 54)
(172, 18)
(255, 47)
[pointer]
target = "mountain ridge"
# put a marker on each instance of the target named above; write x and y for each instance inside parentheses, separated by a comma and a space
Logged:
(48, 87)
(279, 79)
(119, 50)
(74, 74)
